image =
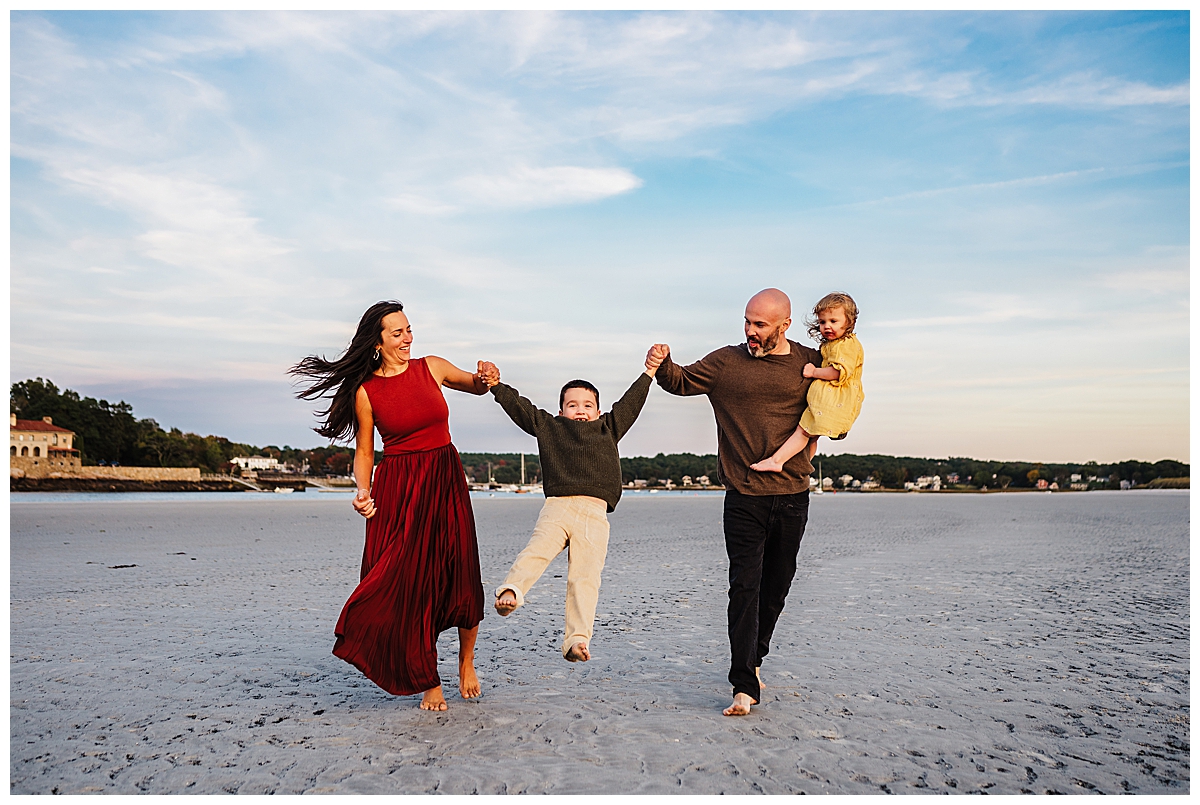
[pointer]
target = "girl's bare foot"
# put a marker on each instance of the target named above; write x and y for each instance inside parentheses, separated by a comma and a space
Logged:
(468, 682)
(578, 653)
(506, 603)
(433, 699)
(741, 705)
(767, 465)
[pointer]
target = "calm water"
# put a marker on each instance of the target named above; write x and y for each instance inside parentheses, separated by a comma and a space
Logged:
(312, 494)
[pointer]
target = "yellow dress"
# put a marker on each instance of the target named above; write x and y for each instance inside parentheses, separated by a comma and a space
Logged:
(833, 405)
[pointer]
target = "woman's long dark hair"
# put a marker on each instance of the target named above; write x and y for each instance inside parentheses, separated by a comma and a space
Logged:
(345, 374)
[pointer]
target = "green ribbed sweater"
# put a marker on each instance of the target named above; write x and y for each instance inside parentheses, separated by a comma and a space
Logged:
(578, 458)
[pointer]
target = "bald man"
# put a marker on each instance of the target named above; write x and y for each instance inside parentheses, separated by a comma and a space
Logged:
(758, 391)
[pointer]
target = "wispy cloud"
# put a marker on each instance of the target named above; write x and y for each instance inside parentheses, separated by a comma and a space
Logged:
(1026, 181)
(982, 309)
(195, 223)
(525, 186)
(1091, 89)
(1175, 282)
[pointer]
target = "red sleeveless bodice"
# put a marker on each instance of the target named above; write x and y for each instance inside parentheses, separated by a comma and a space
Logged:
(409, 409)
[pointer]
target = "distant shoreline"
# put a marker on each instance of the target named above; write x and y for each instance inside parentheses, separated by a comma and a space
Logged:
(115, 488)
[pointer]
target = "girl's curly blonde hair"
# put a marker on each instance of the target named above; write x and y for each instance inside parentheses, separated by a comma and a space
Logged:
(828, 301)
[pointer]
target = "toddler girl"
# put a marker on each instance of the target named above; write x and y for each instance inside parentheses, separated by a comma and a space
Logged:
(836, 394)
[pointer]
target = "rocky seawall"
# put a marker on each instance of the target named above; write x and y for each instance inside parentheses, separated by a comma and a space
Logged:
(80, 484)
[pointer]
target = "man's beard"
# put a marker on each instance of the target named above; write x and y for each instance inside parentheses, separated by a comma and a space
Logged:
(768, 344)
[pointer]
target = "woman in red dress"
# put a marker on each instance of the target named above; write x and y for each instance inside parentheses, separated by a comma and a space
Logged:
(420, 567)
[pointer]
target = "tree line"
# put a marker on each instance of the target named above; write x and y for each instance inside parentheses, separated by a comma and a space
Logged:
(109, 433)
(893, 471)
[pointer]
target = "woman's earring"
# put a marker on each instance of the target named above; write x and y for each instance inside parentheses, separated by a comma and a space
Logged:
(376, 357)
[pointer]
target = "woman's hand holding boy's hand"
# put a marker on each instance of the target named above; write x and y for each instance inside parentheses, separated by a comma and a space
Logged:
(488, 373)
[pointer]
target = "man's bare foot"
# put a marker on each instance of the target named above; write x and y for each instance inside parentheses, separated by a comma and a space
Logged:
(506, 603)
(578, 653)
(433, 699)
(767, 465)
(468, 682)
(741, 705)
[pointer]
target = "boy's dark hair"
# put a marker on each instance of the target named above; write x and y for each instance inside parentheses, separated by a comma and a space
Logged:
(578, 384)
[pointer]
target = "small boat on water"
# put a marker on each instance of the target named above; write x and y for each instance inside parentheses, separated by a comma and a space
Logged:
(284, 490)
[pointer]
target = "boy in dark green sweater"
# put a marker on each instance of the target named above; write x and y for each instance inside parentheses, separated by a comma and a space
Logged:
(581, 476)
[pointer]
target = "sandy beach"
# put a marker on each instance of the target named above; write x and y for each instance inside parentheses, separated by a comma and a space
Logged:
(931, 643)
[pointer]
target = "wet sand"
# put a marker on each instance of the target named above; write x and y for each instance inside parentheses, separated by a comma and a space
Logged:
(931, 643)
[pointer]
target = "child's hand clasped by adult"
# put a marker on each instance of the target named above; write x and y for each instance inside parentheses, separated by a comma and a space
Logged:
(655, 356)
(488, 373)
(364, 504)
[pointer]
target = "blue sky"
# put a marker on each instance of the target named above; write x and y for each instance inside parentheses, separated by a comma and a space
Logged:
(200, 199)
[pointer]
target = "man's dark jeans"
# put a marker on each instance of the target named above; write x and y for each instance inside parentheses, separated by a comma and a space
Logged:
(762, 538)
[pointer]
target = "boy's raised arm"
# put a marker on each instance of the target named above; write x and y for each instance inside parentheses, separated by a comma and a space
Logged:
(520, 410)
(625, 410)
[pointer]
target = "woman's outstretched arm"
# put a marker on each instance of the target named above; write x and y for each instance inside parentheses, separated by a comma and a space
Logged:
(448, 375)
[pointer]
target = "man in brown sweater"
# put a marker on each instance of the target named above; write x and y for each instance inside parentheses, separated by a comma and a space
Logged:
(757, 391)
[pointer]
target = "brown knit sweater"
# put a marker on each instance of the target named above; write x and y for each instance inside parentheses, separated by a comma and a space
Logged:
(578, 458)
(757, 403)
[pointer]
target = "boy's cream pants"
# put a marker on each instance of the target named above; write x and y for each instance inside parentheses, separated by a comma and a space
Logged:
(579, 524)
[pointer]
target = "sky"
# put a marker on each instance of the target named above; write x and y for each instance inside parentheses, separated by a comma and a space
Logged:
(199, 200)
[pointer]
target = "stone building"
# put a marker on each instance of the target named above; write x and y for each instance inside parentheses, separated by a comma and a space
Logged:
(40, 444)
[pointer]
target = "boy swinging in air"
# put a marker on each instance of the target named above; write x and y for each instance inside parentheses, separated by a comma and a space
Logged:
(581, 477)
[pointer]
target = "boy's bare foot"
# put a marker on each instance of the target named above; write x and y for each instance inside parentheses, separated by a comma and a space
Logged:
(741, 705)
(506, 603)
(468, 682)
(433, 699)
(767, 465)
(578, 653)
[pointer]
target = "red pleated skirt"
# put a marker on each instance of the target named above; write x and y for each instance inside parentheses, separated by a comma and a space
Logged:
(420, 572)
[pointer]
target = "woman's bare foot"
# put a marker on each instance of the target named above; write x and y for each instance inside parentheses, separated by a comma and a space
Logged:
(767, 465)
(433, 699)
(468, 682)
(506, 603)
(758, 673)
(578, 653)
(741, 705)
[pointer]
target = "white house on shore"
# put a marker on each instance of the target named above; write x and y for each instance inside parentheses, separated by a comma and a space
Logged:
(931, 482)
(256, 462)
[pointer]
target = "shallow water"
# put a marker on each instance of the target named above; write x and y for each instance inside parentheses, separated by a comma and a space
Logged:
(931, 643)
(21, 498)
